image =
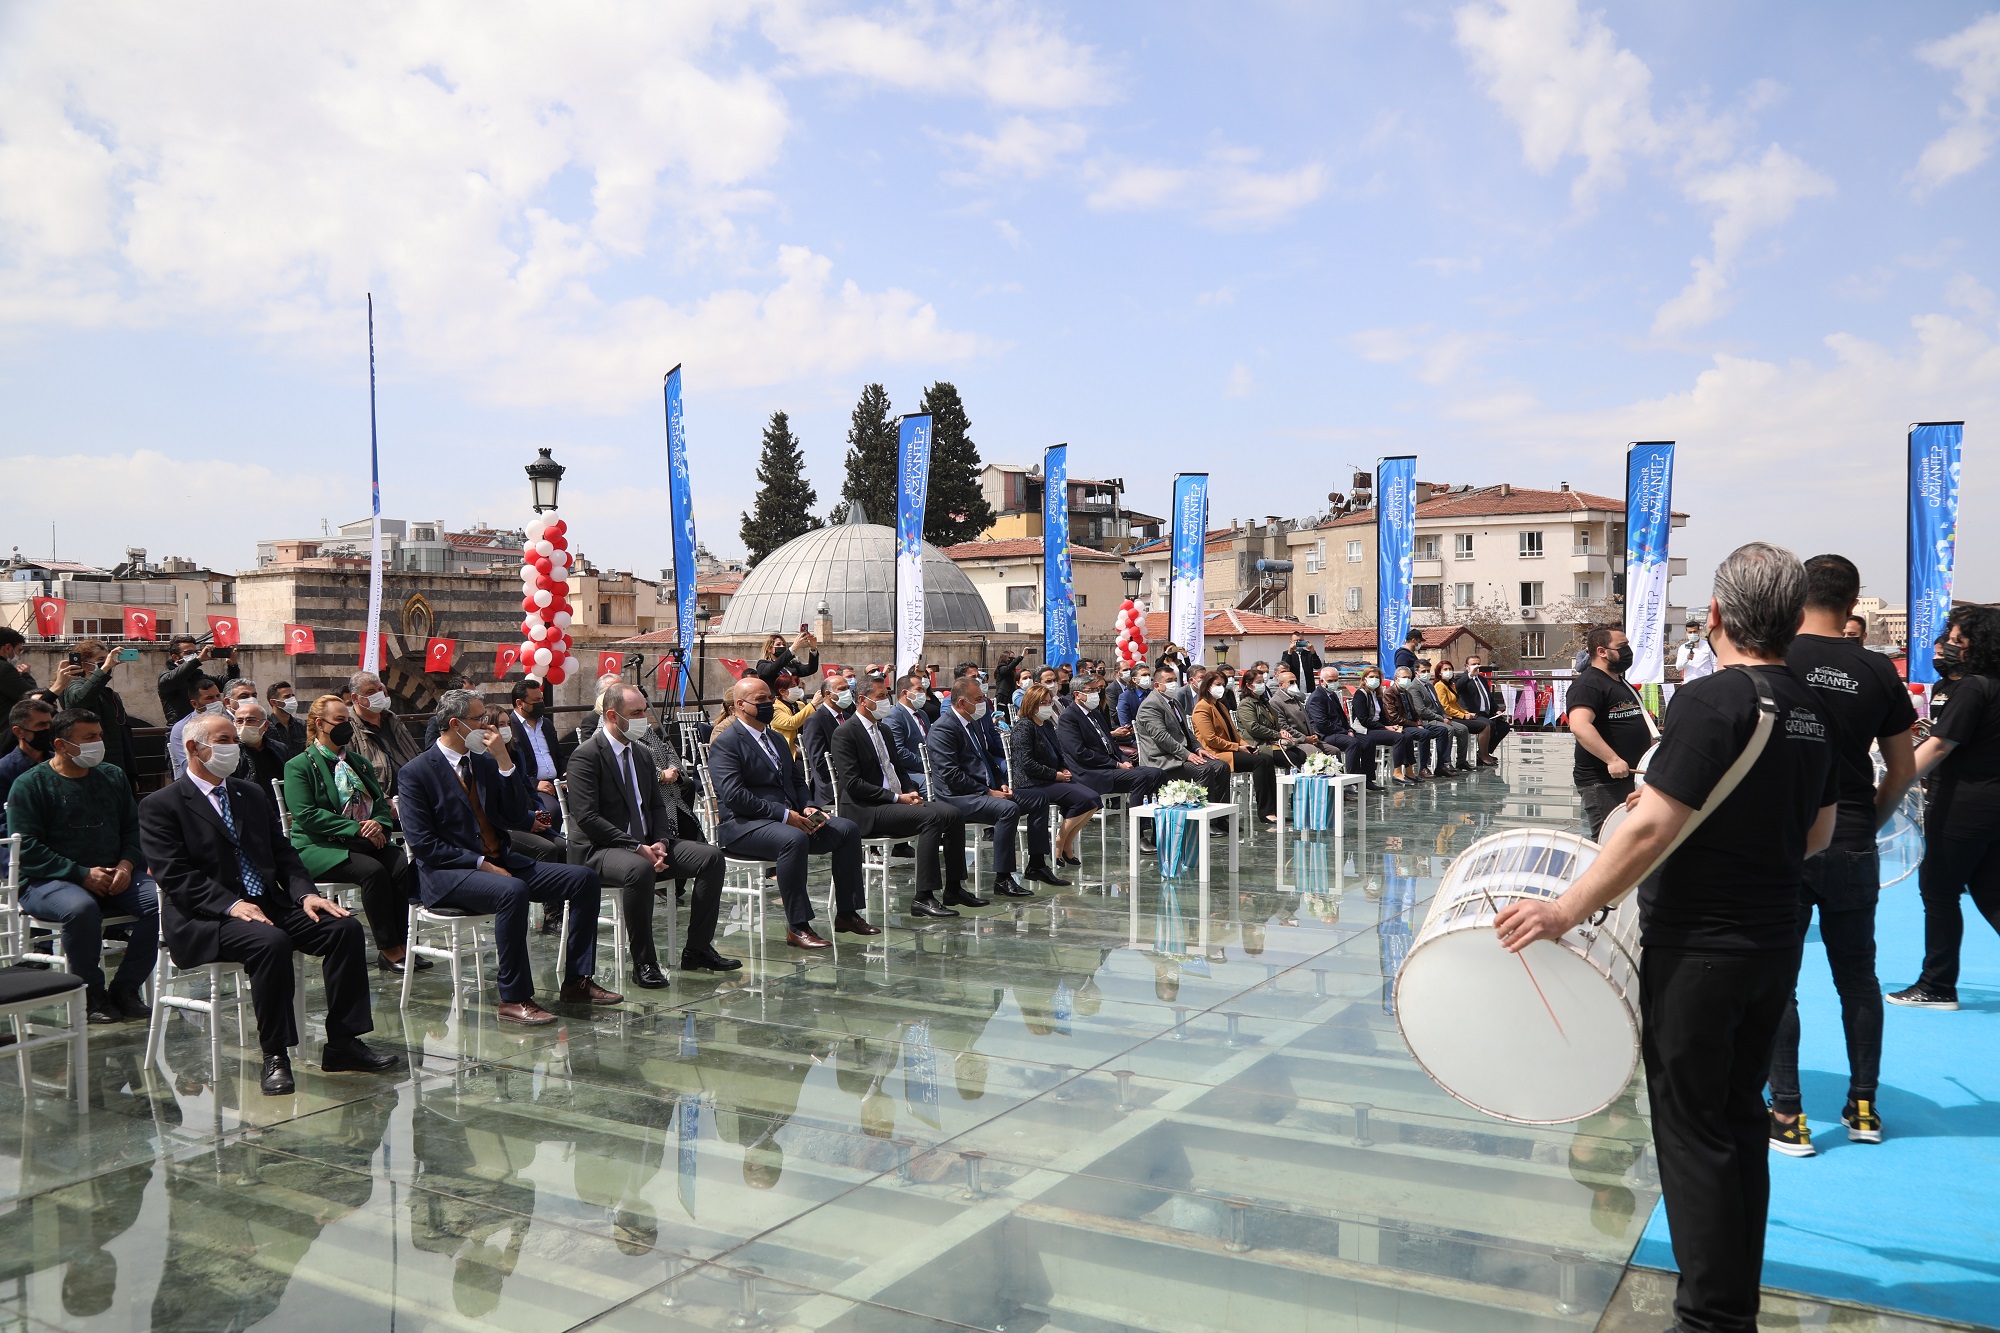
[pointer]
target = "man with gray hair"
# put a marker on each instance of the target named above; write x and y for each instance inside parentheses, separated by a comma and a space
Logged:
(1719, 922)
(378, 733)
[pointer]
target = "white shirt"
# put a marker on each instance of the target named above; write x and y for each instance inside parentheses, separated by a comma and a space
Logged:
(874, 730)
(545, 764)
(457, 760)
(1694, 659)
(212, 790)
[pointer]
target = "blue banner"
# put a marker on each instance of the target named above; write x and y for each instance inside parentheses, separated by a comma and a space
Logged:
(1058, 592)
(1185, 613)
(687, 1174)
(1934, 450)
(920, 1085)
(1395, 548)
(913, 475)
(1649, 526)
(680, 515)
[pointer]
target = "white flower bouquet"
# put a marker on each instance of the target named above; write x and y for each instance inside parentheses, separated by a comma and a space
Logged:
(1318, 765)
(1182, 793)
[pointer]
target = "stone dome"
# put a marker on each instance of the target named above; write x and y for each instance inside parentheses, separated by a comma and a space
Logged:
(852, 568)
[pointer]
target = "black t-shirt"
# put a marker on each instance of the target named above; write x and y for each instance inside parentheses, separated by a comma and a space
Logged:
(1733, 886)
(1619, 718)
(1965, 790)
(1865, 699)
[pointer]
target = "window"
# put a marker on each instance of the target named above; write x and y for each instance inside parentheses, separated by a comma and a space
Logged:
(1082, 601)
(425, 535)
(1427, 596)
(1315, 557)
(1531, 545)
(1461, 594)
(1583, 590)
(1021, 597)
(1354, 553)
(1583, 541)
(1427, 548)
(1531, 595)
(604, 613)
(1315, 604)
(1461, 545)
(1354, 599)
(1534, 643)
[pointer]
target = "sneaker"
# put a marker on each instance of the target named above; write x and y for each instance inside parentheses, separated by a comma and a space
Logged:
(1921, 996)
(1863, 1124)
(1793, 1140)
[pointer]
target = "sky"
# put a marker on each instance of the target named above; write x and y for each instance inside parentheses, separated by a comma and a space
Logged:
(1275, 241)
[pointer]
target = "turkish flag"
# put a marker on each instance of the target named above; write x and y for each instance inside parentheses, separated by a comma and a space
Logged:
(610, 664)
(140, 623)
(667, 676)
(735, 666)
(49, 616)
(438, 654)
(298, 639)
(505, 659)
(381, 655)
(225, 631)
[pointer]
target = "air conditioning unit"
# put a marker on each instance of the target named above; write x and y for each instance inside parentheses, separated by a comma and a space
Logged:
(1531, 613)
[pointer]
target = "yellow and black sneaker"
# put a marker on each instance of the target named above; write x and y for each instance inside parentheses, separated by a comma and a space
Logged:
(1793, 1139)
(1863, 1124)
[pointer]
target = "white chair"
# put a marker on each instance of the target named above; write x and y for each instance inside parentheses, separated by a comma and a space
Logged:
(25, 991)
(18, 932)
(167, 978)
(746, 880)
(460, 932)
(610, 912)
(347, 895)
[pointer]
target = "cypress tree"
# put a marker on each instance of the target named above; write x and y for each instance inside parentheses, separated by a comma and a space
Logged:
(954, 510)
(783, 507)
(871, 459)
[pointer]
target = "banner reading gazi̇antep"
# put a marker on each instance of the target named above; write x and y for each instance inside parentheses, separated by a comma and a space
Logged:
(913, 471)
(1184, 593)
(1395, 548)
(680, 515)
(1058, 592)
(1649, 526)
(1934, 451)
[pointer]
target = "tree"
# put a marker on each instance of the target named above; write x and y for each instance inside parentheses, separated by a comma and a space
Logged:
(954, 509)
(783, 507)
(871, 459)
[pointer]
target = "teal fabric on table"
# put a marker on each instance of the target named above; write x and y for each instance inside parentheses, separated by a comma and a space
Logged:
(1175, 835)
(1312, 802)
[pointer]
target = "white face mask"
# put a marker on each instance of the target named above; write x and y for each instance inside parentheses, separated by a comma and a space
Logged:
(881, 708)
(1089, 702)
(250, 732)
(636, 728)
(1445, 674)
(979, 710)
(1258, 689)
(1145, 682)
(214, 708)
(475, 740)
(1046, 713)
(290, 705)
(222, 759)
(1372, 683)
(377, 702)
(795, 693)
(1217, 691)
(89, 754)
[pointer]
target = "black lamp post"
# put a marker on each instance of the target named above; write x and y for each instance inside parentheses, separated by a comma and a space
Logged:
(702, 615)
(544, 478)
(1133, 576)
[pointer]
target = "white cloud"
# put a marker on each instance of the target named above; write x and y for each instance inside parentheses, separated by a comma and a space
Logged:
(1749, 196)
(1436, 358)
(1240, 382)
(1019, 148)
(1223, 295)
(1226, 190)
(1973, 53)
(1008, 232)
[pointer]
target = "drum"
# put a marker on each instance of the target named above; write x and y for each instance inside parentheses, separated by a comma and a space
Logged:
(1617, 817)
(1542, 1037)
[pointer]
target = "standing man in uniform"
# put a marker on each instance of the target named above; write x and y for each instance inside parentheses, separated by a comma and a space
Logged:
(1609, 723)
(1719, 925)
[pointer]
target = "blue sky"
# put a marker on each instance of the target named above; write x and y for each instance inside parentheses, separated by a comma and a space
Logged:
(1268, 239)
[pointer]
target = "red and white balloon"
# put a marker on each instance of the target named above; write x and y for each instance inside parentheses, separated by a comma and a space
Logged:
(545, 609)
(1131, 625)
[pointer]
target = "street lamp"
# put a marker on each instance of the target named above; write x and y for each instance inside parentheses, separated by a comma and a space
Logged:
(544, 477)
(1133, 576)
(702, 615)
(1221, 655)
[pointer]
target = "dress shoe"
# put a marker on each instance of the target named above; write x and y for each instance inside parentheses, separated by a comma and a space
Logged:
(1069, 860)
(851, 923)
(526, 1013)
(902, 851)
(1489, 762)
(929, 907)
(647, 976)
(964, 898)
(97, 1008)
(354, 1057)
(585, 990)
(1006, 886)
(706, 959)
(1041, 874)
(396, 967)
(278, 1076)
(804, 937)
(129, 1005)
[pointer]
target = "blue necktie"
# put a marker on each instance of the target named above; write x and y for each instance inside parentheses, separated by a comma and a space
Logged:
(253, 883)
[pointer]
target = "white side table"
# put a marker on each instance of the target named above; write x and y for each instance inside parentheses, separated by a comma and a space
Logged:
(1342, 784)
(1205, 815)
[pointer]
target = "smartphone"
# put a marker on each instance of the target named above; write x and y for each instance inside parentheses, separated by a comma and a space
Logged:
(817, 820)
(802, 627)
(76, 659)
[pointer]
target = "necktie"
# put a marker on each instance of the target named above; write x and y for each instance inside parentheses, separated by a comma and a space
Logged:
(253, 883)
(489, 841)
(637, 826)
(979, 768)
(882, 758)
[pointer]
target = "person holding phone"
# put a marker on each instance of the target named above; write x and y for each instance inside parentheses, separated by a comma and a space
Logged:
(177, 681)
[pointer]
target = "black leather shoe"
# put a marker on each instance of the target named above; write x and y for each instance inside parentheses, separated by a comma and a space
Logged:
(1008, 887)
(97, 1008)
(396, 968)
(278, 1076)
(1044, 875)
(929, 907)
(964, 898)
(706, 959)
(129, 1005)
(647, 976)
(902, 851)
(354, 1057)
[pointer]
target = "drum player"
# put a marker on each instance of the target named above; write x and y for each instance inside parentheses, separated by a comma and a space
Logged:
(1718, 925)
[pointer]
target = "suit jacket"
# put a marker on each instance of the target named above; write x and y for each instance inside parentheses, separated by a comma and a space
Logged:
(1129, 700)
(956, 757)
(1215, 727)
(1086, 742)
(1292, 715)
(1163, 734)
(193, 860)
(1475, 695)
(1373, 711)
(319, 827)
(439, 827)
(600, 806)
(814, 738)
(1327, 713)
(906, 733)
(748, 790)
(1035, 758)
(856, 770)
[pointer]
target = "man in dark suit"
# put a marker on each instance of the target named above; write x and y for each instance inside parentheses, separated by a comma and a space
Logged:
(765, 814)
(535, 744)
(816, 736)
(1167, 742)
(1478, 695)
(622, 827)
(1093, 755)
(876, 792)
(232, 889)
(963, 774)
(907, 725)
(458, 799)
(1326, 711)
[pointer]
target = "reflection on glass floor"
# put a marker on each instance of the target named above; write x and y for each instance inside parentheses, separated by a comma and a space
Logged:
(1162, 1107)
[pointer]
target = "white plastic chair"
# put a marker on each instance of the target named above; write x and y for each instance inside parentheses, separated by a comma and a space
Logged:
(876, 853)
(610, 912)
(460, 932)
(26, 991)
(167, 977)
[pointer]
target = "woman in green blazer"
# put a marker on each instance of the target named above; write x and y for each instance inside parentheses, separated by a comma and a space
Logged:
(341, 823)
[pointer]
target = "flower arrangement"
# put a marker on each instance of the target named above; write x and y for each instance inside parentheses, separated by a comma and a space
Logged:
(1182, 793)
(1318, 765)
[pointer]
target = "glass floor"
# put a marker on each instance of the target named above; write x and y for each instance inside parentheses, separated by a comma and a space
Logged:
(1119, 1106)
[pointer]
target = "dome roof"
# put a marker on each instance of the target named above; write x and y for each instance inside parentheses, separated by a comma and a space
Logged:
(852, 567)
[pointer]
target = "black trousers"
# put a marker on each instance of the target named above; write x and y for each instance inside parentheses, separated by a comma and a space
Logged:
(939, 828)
(1954, 866)
(1600, 799)
(1709, 1021)
(1262, 766)
(1362, 745)
(539, 846)
(790, 848)
(631, 876)
(1843, 885)
(1141, 783)
(1212, 774)
(1497, 730)
(388, 883)
(265, 951)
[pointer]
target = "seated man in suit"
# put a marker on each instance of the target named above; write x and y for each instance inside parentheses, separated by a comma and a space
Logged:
(458, 799)
(1093, 753)
(833, 706)
(621, 826)
(232, 889)
(877, 794)
(908, 724)
(764, 814)
(1326, 710)
(962, 774)
(1167, 741)
(540, 754)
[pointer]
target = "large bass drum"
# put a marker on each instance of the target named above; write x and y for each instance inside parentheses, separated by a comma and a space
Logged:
(1541, 1044)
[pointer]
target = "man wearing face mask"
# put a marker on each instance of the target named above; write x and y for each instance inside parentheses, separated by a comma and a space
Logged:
(1435, 736)
(1379, 716)
(379, 734)
(880, 795)
(1167, 740)
(1288, 702)
(833, 707)
(1092, 750)
(1134, 695)
(79, 830)
(263, 758)
(204, 699)
(28, 722)
(15, 682)
(282, 703)
(1478, 695)
(93, 693)
(1610, 726)
(1693, 658)
(907, 724)
(177, 681)
(964, 773)
(457, 799)
(541, 757)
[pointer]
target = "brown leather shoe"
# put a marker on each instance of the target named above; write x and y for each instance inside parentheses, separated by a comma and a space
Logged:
(852, 924)
(585, 990)
(804, 937)
(525, 1012)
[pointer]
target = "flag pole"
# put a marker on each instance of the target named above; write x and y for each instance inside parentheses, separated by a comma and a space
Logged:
(371, 642)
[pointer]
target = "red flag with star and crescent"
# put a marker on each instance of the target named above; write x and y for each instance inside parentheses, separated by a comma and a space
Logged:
(49, 616)
(140, 623)
(224, 630)
(666, 676)
(298, 639)
(610, 664)
(505, 658)
(438, 654)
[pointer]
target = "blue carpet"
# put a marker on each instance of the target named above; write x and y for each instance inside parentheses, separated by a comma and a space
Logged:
(1911, 1224)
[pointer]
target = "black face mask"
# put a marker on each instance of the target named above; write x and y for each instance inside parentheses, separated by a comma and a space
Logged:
(1621, 661)
(340, 733)
(41, 742)
(1946, 659)
(766, 711)
(533, 712)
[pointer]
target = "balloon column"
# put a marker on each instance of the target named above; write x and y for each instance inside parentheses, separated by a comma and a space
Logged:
(545, 565)
(1131, 634)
